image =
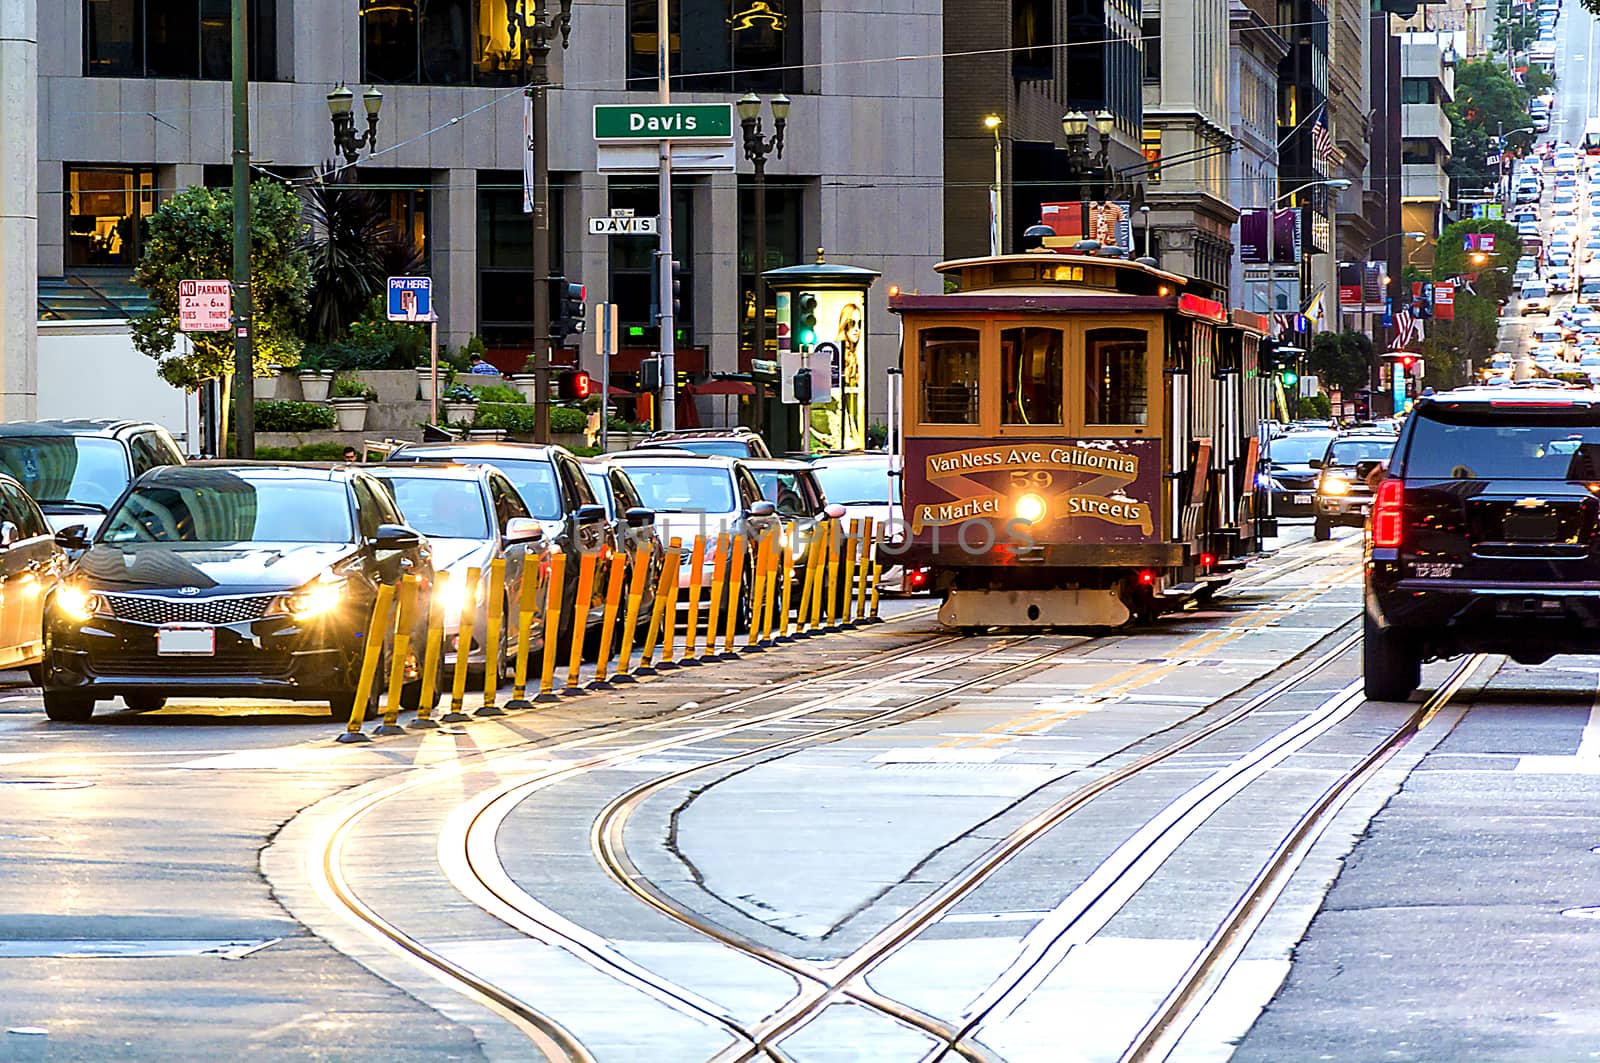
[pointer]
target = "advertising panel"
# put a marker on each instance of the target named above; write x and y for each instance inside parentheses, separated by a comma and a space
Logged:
(1109, 222)
(840, 332)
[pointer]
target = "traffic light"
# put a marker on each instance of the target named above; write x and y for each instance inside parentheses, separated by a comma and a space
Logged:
(1289, 377)
(802, 387)
(806, 334)
(1407, 362)
(677, 290)
(574, 385)
(650, 375)
(1267, 356)
(566, 308)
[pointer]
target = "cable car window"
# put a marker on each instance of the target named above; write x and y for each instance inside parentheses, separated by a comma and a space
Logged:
(947, 365)
(1116, 387)
(1031, 376)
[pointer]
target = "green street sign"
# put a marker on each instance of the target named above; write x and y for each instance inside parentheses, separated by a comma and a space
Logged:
(671, 121)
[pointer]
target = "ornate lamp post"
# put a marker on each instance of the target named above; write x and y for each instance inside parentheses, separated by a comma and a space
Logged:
(1089, 167)
(341, 112)
(756, 148)
(538, 31)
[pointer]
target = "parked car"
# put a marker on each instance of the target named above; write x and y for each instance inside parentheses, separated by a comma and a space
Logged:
(76, 469)
(228, 580)
(861, 483)
(31, 564)
(472, 516)
(1344, 474)
(728, 442)
(552, 485)
(1534, 298)
(633, 524)
(793, 488)
(1289, 477)
(1479, 540)
(1589, 292)
(703, 494)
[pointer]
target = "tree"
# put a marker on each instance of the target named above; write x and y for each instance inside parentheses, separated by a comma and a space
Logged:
(352, 247)
(1487, 101)
(1341, 360)
(190, 237)
(1481, 289)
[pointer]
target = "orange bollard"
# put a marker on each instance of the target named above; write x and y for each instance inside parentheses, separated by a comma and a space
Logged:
(669, 578)
(735, 582)
(464, 628)
(580, 619)
(492, 657)
(697, 572)
(554, 592)
(371, 655)
(615, 573)
(630, 625)
(719, 573)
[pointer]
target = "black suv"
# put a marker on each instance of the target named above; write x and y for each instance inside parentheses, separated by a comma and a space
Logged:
(1485, 537)
(76, 469)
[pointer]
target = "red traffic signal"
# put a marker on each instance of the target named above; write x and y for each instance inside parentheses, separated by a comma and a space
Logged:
(575, 385)
(1407, 362)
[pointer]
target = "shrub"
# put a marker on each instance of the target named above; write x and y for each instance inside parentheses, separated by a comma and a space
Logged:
(567, 421)
(349, 387)
(511, 416)
(294, 417)
(374, 342)
(459, 393)
(499, 393)
(309, 452)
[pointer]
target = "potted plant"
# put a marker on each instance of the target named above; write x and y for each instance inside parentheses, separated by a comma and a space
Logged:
(350, 401)
(314, 380)
(526, 382)
(459, 403)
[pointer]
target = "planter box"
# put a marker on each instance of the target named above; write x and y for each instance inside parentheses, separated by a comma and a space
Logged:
(486, 435)
(352, 414)
(459, 411)
(527, 383)
(314, 386)
(267, 388)
(569, 439)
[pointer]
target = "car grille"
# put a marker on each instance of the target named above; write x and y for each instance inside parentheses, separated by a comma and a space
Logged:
(223, 666)
(148, 609)
(1293, 483)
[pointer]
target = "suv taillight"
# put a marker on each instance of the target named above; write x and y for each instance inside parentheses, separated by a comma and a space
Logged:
(1387, 513)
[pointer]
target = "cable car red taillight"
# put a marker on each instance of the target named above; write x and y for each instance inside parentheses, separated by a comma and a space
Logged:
(1387, 514)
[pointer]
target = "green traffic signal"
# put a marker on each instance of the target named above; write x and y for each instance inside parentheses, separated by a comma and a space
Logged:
(1290, 378)
(806, 334)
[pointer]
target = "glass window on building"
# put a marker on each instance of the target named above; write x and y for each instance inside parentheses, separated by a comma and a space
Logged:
(719, 45)
(1032, 35)
(785, 247)
(1416, 90)
(1032, 376)
(505, 257)
(107, 207)
(632, 261)
(947, 366)
(442, 42)
(1152, 49)
(1116, 386)
(175, 39)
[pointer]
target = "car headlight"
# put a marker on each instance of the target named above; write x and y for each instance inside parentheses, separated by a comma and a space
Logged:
(77, 603)
(1333, 485)
(314, 600)
(451, 591)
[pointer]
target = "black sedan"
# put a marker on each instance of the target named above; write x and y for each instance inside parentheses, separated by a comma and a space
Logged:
(229, 580)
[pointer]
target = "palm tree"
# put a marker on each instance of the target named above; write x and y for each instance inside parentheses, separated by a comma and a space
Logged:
(353, 247)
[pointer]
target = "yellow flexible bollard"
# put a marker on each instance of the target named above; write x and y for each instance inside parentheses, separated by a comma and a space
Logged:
(869, 564)
(630, 626)
(852, 546)
(697, 575)
(735, 581)
(802, 616)
(669, 618)
(554, 591)
(758, 585)
(669, 577)
(433, 649)
(616, 571)
(527, 608)
(769, 589)
(719, 576)
(464, 628)
(877, 574)
(492, 657)
(405, 615)
(580, 618)
(831, 571)
(371, 654)
(787, 590)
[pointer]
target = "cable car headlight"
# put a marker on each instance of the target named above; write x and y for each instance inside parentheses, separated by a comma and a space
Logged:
(1030, 508)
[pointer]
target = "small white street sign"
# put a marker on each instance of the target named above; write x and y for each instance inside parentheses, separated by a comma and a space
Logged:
(205, 306)
(614, 226)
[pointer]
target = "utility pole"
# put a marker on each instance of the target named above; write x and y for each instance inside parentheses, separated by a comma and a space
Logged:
(669, 371)
(244, 367)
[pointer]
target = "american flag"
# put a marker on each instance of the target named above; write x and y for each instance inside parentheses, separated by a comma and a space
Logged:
(1322, 140)
(1407, 330)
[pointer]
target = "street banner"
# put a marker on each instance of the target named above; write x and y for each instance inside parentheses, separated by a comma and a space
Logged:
(527, 153)
(1286, 236)
(1444, 302)
(1350, 283)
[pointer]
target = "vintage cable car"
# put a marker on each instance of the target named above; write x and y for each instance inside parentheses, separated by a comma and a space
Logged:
(1077, 439)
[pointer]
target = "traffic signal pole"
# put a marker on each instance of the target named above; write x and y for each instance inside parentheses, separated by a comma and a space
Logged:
(244, 365)
(541, 244)
(668, 418)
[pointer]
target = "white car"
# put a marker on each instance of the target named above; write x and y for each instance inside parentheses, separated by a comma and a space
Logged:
(1560, 280)
(1548, 334)
(1589, 292)
(1564, 207)
(1534, 298)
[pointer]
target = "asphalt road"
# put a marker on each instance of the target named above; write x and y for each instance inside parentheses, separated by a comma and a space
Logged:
(659, 871)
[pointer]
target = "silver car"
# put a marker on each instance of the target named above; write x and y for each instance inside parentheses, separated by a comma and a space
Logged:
(471, 515)
(860, 482)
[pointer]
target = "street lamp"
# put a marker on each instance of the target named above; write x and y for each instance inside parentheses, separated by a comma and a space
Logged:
(537, 32)
(756, 148)
(1086, 166)
(991, 122)
(341, 105)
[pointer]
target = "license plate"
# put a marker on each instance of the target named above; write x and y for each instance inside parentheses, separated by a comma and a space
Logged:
(186, 640)
(1302, 500)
